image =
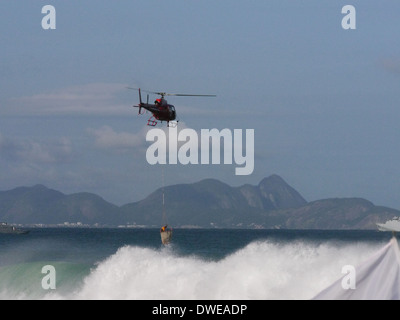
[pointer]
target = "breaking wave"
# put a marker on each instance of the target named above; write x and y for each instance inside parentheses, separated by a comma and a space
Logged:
(261, 270)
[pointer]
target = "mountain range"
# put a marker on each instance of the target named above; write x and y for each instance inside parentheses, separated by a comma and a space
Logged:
(208, 203)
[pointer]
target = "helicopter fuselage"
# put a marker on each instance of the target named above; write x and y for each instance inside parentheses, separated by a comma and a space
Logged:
(164, 112)
(161, 110)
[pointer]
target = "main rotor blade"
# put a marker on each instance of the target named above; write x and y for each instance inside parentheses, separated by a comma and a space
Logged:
(174, 94)
(143, 90)
(190, 95)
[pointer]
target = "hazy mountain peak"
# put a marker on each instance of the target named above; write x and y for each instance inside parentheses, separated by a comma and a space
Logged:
(40, 188)
(278, 194)
(272, 181)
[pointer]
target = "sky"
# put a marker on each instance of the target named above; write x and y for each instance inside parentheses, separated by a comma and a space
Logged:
(323, 101)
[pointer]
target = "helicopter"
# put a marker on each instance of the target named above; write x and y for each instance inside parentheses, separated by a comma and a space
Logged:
(161, 110)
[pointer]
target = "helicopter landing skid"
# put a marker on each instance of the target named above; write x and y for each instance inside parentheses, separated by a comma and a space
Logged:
(172, 124)
(152, 122)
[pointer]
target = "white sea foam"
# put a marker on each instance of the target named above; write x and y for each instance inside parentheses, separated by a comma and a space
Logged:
(261, 270)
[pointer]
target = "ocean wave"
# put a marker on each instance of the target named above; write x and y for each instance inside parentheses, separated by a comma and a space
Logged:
(260, 271)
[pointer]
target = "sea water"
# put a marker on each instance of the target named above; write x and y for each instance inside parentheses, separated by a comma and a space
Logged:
(217, 264)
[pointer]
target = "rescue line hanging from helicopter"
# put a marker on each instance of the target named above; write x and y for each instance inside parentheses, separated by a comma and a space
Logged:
(161, 110)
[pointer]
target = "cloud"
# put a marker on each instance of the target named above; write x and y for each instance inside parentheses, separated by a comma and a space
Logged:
(26, 150)
(106, 138)
(89, 99)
